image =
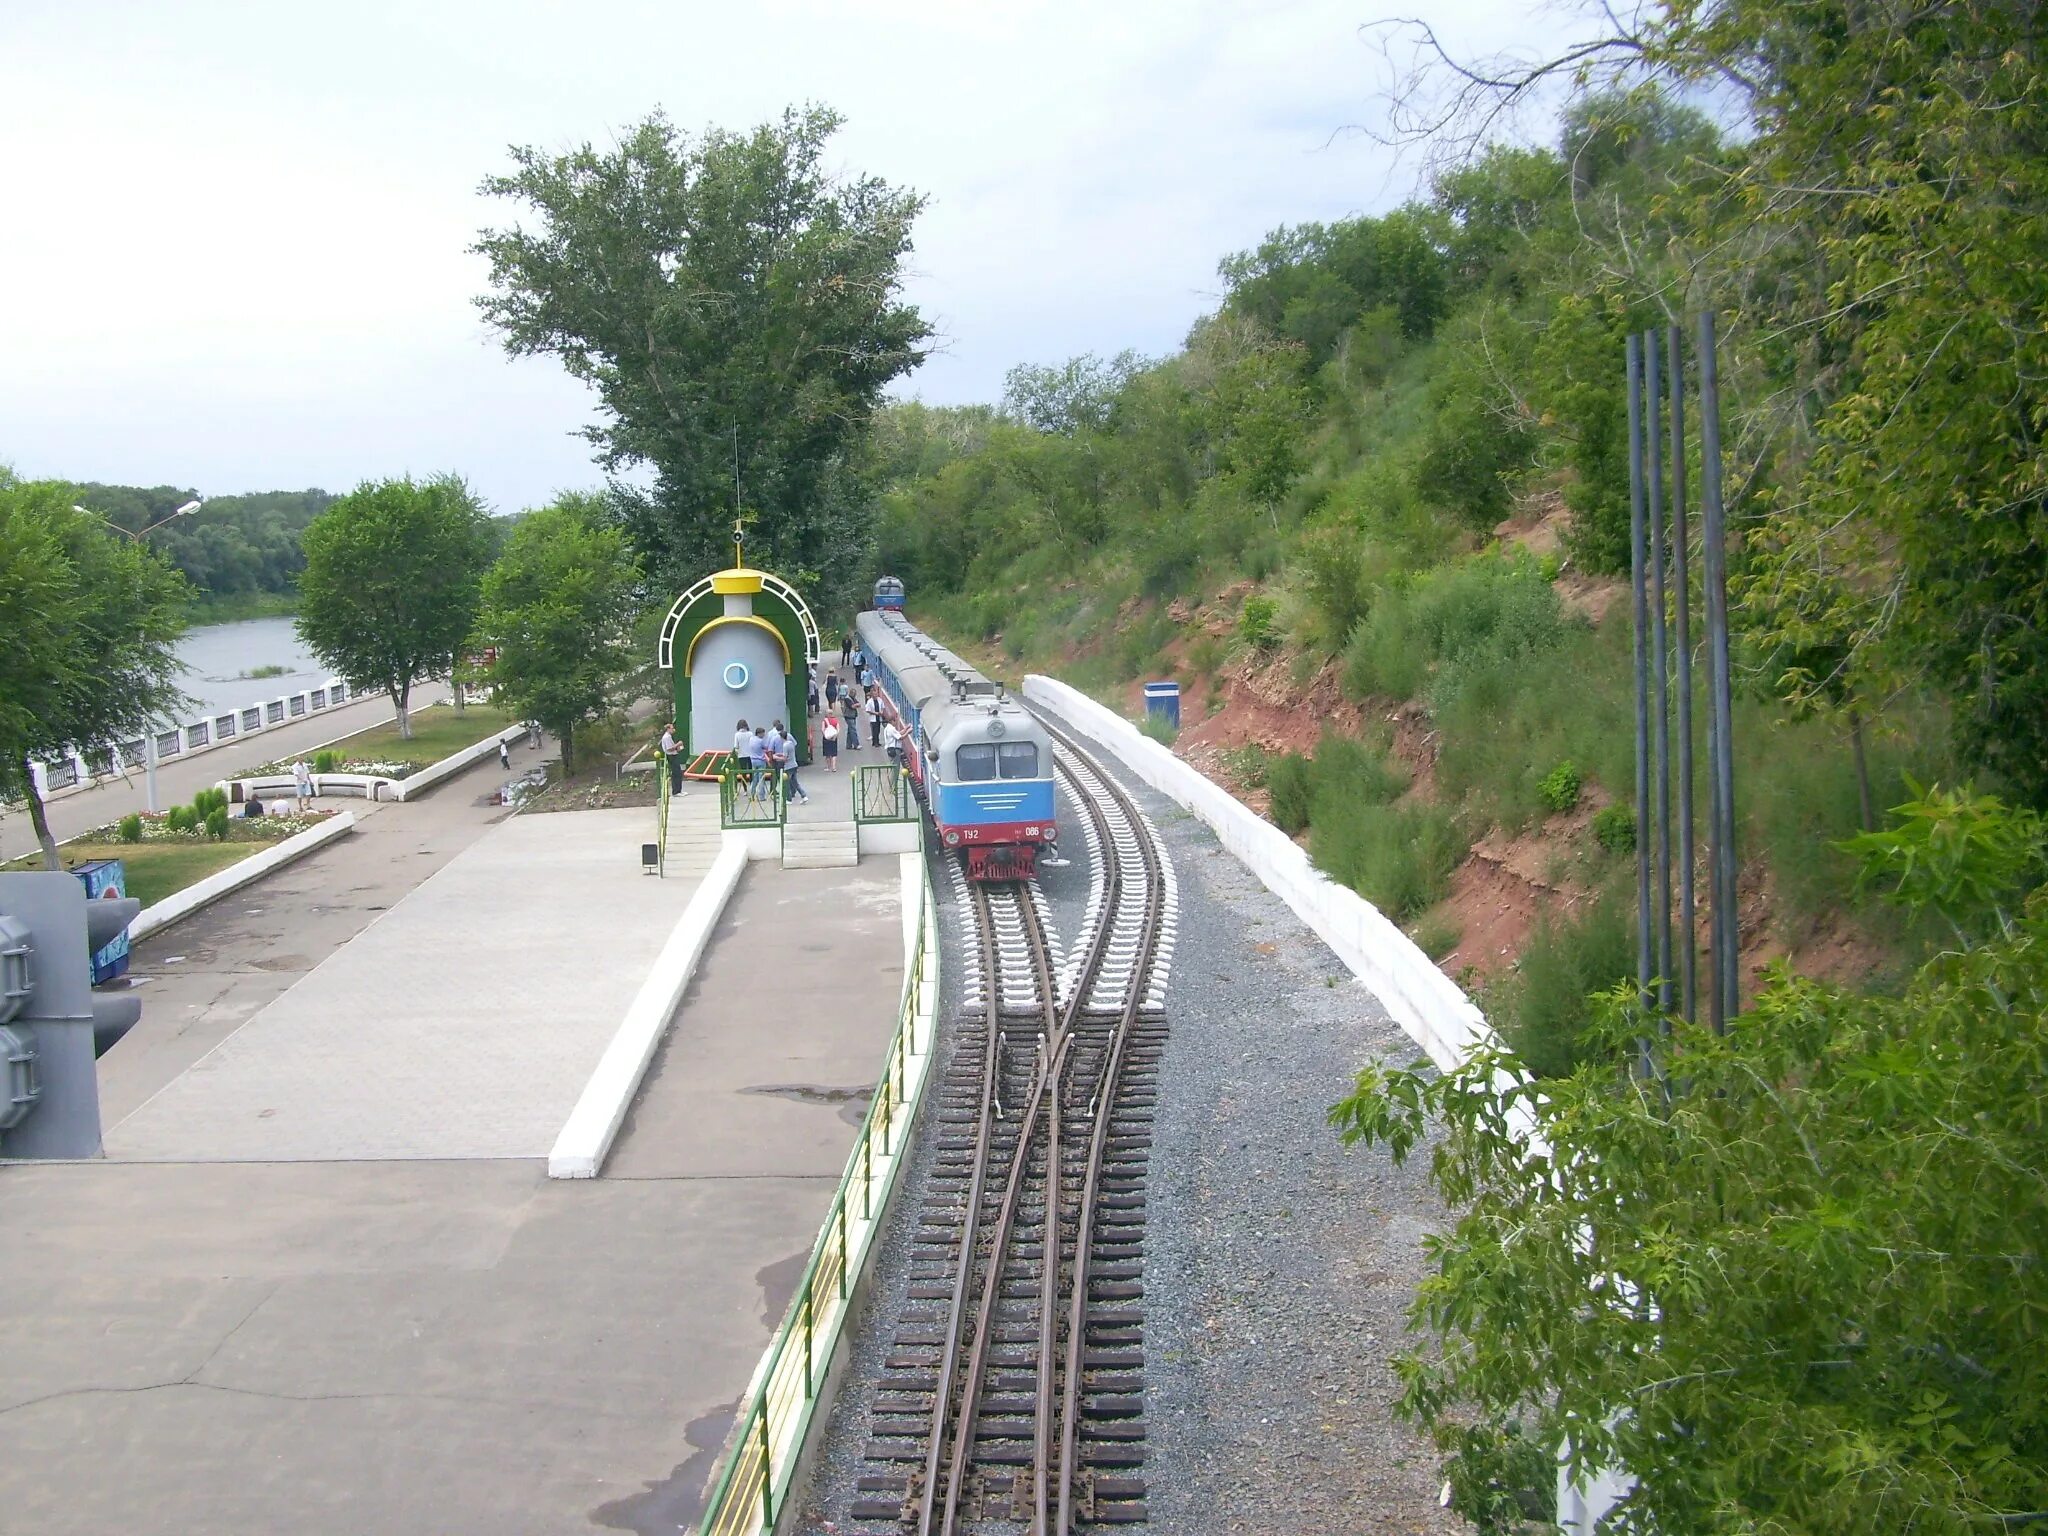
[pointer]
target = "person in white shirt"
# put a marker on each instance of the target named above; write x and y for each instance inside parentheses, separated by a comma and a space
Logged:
(874, 711)
(672, 755)
(893, 740)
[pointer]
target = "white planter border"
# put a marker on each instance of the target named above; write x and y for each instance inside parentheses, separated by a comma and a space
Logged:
(238, 874)
(586, 1137)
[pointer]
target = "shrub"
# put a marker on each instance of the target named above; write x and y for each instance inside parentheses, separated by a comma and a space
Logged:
(130, 829)
(1290, 786)
(1543, 1009)
(1345, 768)
(1399, 858)
(1437, 936)
(1560, 787)
(207, 801)
(1247, 764)
(1205, 653)
(1614, 828)
(1159, 728)
(1258, 622)
(1445, 626)
(326, 762)
(217, 823)
(1335, 582)
(180, 818)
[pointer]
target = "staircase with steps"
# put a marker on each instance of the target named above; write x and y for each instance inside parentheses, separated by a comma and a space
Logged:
(820, 844)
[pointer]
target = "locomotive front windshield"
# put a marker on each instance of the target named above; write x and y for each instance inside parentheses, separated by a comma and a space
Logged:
(987, 760)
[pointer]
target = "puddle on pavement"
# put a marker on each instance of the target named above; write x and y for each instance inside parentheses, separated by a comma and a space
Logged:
(283, 963)
(676, 1502)
(778, 1282)
(852, 1103)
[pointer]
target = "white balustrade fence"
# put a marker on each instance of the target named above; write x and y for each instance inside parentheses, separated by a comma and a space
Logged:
(76, 771)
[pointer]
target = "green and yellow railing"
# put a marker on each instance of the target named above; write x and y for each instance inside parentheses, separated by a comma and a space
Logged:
(776, 1416)
(743, 803)
(881, 792)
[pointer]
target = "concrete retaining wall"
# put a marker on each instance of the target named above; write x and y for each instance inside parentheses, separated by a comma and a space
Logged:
(586, 1137)
(1419, 997)
(184, 903)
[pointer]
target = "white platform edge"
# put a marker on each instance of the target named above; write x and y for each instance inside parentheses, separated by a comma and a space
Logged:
(218, 884)
(586, 1136)
(1427, 1004)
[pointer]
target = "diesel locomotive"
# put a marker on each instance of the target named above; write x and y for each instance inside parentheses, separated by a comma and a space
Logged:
(980, 761)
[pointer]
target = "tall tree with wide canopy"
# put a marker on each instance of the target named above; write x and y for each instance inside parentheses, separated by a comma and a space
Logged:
(558, 606)
(738, 310)
(88, 624)
(393, 577)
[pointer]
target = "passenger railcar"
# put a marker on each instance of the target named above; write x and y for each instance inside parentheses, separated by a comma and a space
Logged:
(980, 761)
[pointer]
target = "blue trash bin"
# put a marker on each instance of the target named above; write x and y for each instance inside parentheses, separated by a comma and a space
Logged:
(1162, 702)
(101, 878)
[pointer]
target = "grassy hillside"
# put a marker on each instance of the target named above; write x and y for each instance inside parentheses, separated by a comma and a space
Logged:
(1372, 518)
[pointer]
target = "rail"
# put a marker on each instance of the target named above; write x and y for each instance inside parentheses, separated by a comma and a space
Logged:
(749, 1492)
(661, 799)
(881, 792)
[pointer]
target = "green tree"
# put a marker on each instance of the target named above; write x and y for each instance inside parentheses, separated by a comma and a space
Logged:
(558, 605)
(738, 310)
(1794, 1282)
(91, 620)
(392, 581)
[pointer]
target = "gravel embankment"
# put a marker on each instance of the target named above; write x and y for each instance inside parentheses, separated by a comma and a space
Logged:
(1279, 1264)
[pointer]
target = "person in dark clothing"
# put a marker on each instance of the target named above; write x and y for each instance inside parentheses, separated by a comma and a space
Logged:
(846, 649)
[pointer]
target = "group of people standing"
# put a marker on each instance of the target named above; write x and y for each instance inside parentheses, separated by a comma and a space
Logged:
(763, 754)
(766, 754)
(847, 703)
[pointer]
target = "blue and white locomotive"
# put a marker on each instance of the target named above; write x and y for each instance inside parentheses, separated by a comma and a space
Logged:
(889, 593)
(980, 761)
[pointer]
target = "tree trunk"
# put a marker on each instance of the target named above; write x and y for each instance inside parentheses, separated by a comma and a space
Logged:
(52, 861)
(1864, 812)
(461, 695)
(401, 701)
(566, 735)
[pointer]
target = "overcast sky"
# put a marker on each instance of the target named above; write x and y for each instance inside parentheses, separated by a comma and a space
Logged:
(234, 256)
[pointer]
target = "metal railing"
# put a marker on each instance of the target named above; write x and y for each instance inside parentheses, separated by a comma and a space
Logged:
(661, 798)
(744, 801)
(881, 792)
(754, 1481)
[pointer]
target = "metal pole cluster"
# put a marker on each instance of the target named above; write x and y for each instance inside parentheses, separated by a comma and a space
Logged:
(1660, 545)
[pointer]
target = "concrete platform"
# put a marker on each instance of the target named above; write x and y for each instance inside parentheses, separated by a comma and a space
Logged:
(434, 1348)
(463, 1023)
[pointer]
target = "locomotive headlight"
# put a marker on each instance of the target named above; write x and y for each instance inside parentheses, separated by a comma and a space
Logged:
(952, 839)
(996, 728)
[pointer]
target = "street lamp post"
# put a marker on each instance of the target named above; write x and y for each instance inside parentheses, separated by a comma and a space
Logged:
(150, 798)
(185, 511)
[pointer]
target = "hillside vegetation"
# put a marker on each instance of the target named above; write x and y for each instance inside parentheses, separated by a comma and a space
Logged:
(1383, 490)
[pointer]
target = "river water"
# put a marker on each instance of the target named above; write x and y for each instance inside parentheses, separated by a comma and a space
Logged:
(215, 657)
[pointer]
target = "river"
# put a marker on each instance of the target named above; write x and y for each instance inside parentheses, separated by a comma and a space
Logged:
(215, 659)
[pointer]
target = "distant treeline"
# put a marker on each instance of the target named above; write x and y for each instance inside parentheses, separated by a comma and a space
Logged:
(233, 545)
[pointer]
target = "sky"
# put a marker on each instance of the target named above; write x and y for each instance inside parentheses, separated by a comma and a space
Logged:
(234, 247)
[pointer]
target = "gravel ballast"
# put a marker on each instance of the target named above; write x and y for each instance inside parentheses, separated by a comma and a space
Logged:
(1279, 1264)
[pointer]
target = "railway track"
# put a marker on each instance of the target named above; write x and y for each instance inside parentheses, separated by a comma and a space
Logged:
(1013, 1395)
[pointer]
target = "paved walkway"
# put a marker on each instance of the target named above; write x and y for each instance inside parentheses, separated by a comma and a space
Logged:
(463, 1023)
(439, 1348)
(178, 777)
